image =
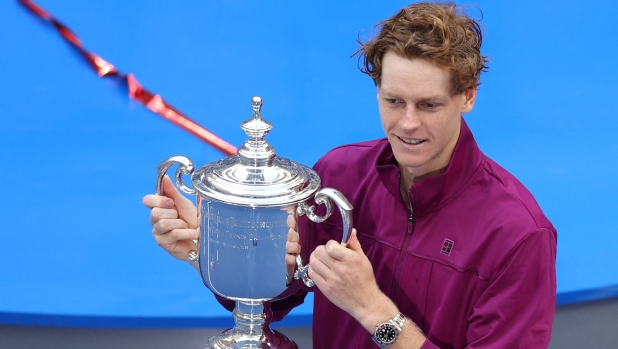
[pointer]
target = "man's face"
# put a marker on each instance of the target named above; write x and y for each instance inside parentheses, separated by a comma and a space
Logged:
(420, 115)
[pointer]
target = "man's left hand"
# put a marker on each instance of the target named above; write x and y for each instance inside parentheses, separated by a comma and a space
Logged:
(345, 276)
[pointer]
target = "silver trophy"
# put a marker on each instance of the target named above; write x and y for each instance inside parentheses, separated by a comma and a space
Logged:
(243, 203)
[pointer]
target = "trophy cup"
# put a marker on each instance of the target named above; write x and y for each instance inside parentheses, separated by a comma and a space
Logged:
(243, 203)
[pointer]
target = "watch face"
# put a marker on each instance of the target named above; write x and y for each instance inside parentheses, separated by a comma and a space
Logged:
(386, 334)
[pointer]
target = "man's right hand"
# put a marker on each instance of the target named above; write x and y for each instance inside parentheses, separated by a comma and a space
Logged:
(174, 220)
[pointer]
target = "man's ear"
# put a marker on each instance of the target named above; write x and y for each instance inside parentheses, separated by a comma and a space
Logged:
(470, 99)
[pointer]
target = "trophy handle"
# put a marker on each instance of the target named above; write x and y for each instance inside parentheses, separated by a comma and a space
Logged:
(323, 196)
(185, 167)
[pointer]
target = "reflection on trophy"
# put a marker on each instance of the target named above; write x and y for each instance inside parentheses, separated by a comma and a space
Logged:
(243, 205)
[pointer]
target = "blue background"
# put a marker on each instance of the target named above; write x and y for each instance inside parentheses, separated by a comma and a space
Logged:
(77, 156)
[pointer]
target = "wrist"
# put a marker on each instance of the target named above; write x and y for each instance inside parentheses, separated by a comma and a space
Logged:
(380, 309)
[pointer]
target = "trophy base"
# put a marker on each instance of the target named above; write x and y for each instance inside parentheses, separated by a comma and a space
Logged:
(236, 339)
(251, 331)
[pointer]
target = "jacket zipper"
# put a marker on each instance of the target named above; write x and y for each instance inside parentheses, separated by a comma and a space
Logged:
(402, 254)
(410, 221)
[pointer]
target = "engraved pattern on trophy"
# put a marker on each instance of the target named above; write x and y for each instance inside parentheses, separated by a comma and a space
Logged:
(242, 242)
(243, 203)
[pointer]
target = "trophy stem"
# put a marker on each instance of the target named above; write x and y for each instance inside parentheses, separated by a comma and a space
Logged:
(251, 330)
(250, 317)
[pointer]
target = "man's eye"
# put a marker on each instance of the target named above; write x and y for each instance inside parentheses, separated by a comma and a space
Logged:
(391, 100)
(430, 105)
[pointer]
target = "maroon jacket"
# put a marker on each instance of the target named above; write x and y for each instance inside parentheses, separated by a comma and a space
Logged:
(473, 268)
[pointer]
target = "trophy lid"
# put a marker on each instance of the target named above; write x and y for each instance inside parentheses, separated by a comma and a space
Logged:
(256, 176)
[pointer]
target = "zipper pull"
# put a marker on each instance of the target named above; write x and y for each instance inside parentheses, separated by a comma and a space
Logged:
(410, 221)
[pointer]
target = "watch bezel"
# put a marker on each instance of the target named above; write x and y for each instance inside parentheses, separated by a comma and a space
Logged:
(381, 331)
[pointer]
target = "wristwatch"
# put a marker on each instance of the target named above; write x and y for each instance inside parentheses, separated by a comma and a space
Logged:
(387, 332)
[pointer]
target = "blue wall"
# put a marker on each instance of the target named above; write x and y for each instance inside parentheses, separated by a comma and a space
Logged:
(77, 156)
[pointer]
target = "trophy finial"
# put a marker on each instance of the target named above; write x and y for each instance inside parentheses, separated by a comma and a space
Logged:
(256, 102)
(256, 150)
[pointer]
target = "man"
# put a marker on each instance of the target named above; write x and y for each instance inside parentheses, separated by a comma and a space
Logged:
(449, 250)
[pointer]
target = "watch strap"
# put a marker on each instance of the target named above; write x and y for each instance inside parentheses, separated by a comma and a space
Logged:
(399, 320)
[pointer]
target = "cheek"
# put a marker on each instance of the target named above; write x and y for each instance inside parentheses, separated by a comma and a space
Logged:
(448, 118)
(387, 118)
(447, 128)
(384, 120)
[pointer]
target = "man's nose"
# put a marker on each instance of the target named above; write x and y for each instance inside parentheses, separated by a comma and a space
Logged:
(411, 118)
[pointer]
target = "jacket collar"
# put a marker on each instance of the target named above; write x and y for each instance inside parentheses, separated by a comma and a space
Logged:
(432, 192)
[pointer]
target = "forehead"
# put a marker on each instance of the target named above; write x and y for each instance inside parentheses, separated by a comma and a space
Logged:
(413, 76)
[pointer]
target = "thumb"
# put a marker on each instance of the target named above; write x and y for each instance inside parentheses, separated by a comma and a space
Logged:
(353, 243)
(186, 209)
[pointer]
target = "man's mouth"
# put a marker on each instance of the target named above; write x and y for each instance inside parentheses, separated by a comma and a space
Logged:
(411, 141)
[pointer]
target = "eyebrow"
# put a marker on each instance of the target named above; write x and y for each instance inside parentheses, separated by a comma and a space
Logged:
(440, 96)
(428, 98)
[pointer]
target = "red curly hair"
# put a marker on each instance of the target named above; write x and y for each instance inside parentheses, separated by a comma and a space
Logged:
(439, 32)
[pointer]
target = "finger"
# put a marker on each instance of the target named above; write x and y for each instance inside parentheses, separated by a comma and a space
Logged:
(179, 249)
(185, 207)
(354, 244)
(177, 235)
(158, 213)
(337, 251)
(164, 226)
(152, 201)
(292, 224)
(293, 236)
(290, 262)
(317, 272)
(292, 248)
(318, 279)
(170, 191)
(322, 261)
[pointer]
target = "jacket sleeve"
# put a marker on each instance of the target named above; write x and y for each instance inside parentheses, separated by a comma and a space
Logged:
(282, 307)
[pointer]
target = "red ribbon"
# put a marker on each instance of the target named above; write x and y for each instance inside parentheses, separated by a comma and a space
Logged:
(151, 101)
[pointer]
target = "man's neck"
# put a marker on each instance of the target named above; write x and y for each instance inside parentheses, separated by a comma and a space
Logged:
(407, 178)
